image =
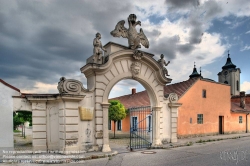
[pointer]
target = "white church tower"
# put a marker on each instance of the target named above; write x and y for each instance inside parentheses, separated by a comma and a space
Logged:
(230, 75)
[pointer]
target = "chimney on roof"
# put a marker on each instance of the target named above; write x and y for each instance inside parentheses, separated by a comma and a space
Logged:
(133, 91)
(242, 99)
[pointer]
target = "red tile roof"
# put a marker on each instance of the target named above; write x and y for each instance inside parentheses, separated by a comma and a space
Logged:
(10, 86)
(235, 107)
(142, 99)
(179, 88)
(134, 100)
(236, 98)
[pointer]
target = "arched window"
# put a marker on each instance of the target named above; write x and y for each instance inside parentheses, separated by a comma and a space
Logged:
(237, 85)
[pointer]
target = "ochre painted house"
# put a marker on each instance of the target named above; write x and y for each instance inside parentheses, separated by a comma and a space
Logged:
(208, 107)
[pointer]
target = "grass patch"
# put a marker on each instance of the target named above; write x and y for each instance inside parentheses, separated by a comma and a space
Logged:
(189, 143)
(17, 131)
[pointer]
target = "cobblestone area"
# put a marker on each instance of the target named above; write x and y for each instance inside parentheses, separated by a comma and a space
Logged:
(121, 142)
(21, 143)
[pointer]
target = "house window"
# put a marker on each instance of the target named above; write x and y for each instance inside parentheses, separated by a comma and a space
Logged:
(190, 120)
(149, 123)
(237, 85)
(119, 125)
(134, 123)
(240, 119)
(109, 125)
(200, 118)
(204, 93)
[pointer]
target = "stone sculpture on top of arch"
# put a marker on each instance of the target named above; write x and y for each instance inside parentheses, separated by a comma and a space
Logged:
(121, 62)
(82, 113)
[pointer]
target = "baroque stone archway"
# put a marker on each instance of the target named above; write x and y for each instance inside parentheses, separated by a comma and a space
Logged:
(125, 63)
(76, 119)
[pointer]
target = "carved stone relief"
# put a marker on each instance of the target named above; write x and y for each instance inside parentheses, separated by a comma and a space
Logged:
(88, 133)
(69, 86)
(173, 97)
(71, 142)
(135, 68)
(138, 55)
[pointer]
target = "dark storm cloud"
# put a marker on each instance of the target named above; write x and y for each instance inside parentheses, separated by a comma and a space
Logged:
(44, 40)
(59, 42)
(200, 57)
(199, 17)
(212, 9)
(154, 34)
(170, 46)
(182, 3)
(185, 48)
(166, 46)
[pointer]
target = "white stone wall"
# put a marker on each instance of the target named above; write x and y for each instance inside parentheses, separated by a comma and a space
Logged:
(39, 125)
(6, 115)
(87, 128)
(52, 126)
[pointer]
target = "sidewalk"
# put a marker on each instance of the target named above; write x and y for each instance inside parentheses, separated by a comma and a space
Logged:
(202, 139)
(117, 145)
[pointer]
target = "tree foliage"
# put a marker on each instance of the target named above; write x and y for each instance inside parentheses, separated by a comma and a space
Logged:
(20, 117)
(117, 111)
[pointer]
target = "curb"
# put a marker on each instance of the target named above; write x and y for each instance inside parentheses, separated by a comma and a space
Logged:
(59, 161)
(190, 143)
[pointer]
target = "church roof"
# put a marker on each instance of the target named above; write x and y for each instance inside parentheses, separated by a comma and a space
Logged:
(229, 64)
(195, 73)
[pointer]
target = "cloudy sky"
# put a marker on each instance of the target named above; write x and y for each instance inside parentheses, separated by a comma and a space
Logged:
(43, 40)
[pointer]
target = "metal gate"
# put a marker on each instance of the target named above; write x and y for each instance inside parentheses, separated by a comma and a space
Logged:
(141, 134)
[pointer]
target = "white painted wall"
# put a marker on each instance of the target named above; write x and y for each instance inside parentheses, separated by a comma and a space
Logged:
(6, 115)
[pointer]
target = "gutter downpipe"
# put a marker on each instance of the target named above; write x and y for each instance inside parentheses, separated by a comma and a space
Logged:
(247, 123)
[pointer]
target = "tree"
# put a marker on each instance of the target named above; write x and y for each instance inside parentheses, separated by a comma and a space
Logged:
(19, 118)
(117, 111)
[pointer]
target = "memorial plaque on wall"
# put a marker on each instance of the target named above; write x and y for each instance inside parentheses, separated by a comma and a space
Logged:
(86, 113)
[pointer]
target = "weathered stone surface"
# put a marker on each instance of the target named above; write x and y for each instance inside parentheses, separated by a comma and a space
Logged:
(134, 38)
(38, 127)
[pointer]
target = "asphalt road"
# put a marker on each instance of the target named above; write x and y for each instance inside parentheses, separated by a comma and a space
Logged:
(228, 153)
(231, 152)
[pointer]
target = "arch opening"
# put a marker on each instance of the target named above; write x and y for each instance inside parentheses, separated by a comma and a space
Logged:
(138, 120)
(22, 129)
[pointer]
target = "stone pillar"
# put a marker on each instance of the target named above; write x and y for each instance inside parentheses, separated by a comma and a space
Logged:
(68, 121)
(174, 116)
(39, 126)
(105, 147)
(156, 126)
